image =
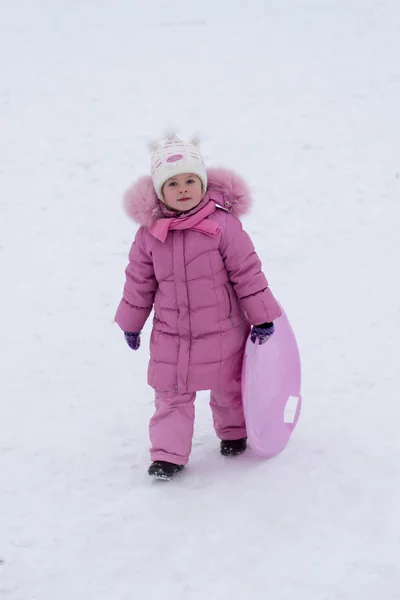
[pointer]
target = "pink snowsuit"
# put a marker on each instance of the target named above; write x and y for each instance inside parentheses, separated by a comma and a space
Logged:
(206, 283)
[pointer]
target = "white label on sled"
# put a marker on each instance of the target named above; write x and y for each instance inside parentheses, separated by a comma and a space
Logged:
(290, 409)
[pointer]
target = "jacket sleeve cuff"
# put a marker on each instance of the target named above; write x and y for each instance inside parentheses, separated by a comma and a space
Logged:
(131, 318)
(261, 307)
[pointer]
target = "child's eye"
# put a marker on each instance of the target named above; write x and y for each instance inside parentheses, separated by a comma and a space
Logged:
(190, 181)
(171, 183)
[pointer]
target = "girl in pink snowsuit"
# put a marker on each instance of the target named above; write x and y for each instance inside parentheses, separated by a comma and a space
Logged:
(192, 261)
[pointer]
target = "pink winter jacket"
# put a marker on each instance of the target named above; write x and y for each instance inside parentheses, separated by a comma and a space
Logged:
(206, 289)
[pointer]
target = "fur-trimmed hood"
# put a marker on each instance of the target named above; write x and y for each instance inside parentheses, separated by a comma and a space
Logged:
(225, 188)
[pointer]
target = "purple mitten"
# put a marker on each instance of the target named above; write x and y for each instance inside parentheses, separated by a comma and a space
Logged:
(132, 339)
(262, 333)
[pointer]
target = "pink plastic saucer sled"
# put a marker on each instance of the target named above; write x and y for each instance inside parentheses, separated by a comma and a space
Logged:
(271, 383)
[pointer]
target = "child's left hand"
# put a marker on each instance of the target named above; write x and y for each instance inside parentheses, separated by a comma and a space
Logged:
(262, 333)
(132, 339)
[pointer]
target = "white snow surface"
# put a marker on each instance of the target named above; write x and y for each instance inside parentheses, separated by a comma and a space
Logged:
(301, 97)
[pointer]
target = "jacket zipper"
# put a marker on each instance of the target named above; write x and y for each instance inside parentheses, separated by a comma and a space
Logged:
(230, 305)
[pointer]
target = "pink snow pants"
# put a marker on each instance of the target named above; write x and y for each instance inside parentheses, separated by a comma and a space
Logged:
(171, 427)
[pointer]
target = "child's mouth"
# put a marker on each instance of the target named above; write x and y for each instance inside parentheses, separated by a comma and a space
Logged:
(183, 199)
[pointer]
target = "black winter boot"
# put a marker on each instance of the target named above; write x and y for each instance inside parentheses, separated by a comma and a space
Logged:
(161, 469)
(233, 447)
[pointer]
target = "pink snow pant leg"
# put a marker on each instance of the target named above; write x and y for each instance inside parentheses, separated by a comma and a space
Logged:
(171, 427)
(227, 410)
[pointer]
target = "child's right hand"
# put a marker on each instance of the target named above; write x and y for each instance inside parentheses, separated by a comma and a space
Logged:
(262, 333)
(132, 339)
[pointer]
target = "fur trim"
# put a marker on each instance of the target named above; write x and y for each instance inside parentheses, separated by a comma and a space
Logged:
(142, 205)
(234, 189)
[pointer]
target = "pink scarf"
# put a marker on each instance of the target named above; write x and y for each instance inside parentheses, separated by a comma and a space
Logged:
(198, 222)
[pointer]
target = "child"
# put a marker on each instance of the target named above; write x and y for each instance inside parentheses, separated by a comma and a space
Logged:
(192, 260)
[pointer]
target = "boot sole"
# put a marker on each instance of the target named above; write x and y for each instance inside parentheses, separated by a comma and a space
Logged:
(234, 453)
(163, 476)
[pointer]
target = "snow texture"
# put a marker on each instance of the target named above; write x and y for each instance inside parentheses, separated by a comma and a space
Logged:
(301, 97)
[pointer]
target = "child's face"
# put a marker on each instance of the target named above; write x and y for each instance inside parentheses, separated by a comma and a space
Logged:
(183, 192)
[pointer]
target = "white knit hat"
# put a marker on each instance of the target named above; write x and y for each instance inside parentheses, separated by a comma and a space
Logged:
(173, 157)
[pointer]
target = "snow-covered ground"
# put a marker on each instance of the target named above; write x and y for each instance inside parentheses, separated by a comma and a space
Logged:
(300, 96)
